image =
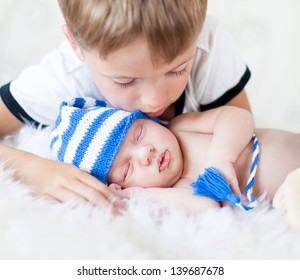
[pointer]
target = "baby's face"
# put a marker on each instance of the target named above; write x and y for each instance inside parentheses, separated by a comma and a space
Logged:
(150, 156)
(128, 79)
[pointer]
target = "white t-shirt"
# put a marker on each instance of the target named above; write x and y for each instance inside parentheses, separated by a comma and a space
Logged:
(218, 74)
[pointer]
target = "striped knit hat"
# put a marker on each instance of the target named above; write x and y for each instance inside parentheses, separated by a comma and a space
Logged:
(89, 134)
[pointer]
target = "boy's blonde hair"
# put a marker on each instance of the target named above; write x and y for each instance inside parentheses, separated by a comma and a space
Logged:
(169, 26)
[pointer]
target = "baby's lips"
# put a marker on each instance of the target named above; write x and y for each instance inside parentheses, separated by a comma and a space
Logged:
(163, 160)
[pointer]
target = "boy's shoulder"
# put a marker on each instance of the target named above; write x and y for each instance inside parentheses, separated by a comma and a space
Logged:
(211, 31)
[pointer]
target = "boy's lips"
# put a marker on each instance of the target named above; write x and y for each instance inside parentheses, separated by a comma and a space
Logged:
(163, 160)
(155, 114)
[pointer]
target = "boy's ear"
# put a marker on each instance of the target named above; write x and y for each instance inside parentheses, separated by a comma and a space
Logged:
(74, 44)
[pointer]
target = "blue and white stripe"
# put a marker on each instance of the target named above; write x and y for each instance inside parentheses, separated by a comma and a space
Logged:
(213, 184)
(251, 179)
(88, 134)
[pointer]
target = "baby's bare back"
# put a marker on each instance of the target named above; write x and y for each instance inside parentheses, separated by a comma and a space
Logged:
(279, 155)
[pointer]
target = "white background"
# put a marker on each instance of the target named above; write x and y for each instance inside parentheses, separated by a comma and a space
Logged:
(266, 32)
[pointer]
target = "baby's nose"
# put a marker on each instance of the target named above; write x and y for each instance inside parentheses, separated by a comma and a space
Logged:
(146, 154)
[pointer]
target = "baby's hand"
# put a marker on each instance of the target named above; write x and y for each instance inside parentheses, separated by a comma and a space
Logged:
(124, 192)
(228, 171)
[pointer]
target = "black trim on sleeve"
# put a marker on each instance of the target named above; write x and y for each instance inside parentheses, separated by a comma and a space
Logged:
(14, 107)
(179, 104)
(230, 94)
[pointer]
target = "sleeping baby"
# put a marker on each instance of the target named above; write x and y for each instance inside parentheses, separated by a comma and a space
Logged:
(133, 153)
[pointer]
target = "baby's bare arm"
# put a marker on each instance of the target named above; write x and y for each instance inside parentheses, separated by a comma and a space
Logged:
(174, 197)
(231, 129)
(180, 198)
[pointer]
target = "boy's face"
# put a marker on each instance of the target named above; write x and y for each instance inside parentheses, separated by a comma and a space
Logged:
(128, 79)
(150, 156)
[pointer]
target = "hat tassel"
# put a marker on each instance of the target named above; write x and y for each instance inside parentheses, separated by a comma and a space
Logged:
(213, 184)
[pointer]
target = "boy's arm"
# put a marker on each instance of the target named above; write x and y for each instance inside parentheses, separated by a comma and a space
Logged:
(231, 129)
(56, 180)
(8, 122)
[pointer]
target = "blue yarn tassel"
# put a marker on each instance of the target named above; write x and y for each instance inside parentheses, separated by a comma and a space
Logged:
(213, 184)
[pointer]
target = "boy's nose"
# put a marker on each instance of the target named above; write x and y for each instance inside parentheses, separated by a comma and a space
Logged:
(145, 154)
(155, 98)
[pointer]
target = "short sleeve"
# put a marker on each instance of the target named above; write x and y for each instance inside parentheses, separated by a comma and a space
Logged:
(40, 89)
(218, 73)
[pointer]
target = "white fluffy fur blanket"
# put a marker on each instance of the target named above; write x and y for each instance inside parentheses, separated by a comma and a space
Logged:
(34, 228)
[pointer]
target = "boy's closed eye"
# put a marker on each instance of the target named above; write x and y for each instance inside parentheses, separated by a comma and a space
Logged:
(179, 70)
(124, 83)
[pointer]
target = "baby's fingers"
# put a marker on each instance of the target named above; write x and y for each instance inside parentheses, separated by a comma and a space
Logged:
(234, 185)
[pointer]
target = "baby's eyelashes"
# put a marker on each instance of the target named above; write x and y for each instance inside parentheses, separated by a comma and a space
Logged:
(128, 169)
(139, 133)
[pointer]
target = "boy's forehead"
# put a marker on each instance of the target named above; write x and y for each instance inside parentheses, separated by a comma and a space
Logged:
(168, 26)
(135, 61)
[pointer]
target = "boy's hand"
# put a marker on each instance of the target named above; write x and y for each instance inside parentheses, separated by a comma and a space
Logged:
(62, 181)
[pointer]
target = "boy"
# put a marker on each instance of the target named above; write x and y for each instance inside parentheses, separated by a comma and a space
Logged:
(125, 150)
(161, 57)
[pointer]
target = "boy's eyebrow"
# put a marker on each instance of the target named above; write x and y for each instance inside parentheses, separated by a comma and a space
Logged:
(120, 77)
(117, 76)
